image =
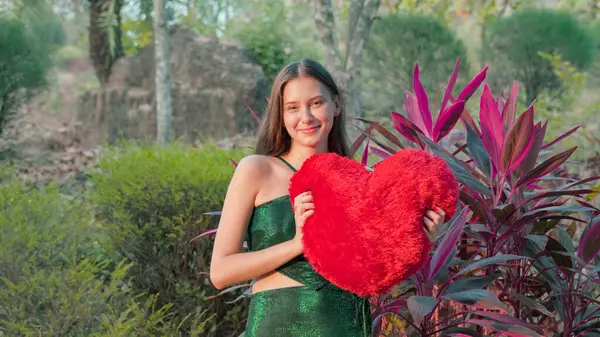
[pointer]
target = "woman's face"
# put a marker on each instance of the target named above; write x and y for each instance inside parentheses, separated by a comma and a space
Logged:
(308, 112)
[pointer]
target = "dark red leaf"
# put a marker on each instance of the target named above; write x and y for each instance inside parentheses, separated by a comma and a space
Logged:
(442, 252)
(447, 120)
(490, 119)
(422, 100)
(253, 114)
(450, 87)
(589, 247)
(518, 142)
(383, 131)
(359, 140)
(233, 162)
(510, 107)
(584, 181)
(374, 140)
(470, 88)
(554, 194)
(380, 153)
(561, 137)
(531, 157)
(546, 167)
(365, 155)
(405, 127)
(207, 233)
(411, 106)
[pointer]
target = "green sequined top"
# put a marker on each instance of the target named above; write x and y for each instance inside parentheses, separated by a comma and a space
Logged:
(272, 223)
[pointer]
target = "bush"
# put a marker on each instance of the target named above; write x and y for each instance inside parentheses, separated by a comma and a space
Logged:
(67, 54)
(511, 47)
(152, 201)
(23, 67)
(507, 263)
(57, 278)
(396, 43)
(265, 37)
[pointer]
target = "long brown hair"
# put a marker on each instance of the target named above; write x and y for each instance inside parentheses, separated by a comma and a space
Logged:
(273, 138)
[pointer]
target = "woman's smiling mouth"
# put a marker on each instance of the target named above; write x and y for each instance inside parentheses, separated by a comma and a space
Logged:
(310, 129)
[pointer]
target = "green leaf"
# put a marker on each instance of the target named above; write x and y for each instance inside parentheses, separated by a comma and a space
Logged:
(532, 304)
(470, 283)
(510, 329)
(478, 152)
(478, 298)
(461, 332)
(458, 167)
(420, 306)
(491, 260)
(565, 239)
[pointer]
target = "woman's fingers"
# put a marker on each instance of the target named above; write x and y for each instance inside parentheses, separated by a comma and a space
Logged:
(433, 216)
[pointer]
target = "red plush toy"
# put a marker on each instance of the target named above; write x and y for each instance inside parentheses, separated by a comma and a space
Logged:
(367, 233)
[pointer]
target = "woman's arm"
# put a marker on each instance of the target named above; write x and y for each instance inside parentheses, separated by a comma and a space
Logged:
(230, 264)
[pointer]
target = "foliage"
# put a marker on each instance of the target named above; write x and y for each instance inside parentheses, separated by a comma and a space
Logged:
(152, 200)
(67, 54)
(137, 34)
(568, 103)
(24, 64)
(265, 37)
(57, 277)
(399, 41)
(45, 26)
(512, 45)
(506, 262)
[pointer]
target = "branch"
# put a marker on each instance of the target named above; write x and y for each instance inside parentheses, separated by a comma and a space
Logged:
(325, 23)
(361, 33)
(354, 17)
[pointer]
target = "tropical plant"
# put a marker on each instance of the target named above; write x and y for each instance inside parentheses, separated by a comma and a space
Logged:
(505, 264)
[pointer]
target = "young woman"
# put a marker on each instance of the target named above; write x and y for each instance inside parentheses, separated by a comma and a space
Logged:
(305, 115)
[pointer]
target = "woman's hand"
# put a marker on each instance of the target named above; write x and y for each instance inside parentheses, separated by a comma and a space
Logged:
(433, 221)
(303, 208)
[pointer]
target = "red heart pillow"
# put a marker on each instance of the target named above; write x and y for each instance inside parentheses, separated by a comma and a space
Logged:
(367, 234)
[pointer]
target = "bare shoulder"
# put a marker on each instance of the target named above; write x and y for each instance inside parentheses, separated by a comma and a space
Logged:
(254, 168)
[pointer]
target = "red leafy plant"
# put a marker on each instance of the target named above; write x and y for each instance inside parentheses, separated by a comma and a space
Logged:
(506, 263)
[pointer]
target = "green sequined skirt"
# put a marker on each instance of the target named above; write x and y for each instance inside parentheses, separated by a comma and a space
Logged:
(305, 312)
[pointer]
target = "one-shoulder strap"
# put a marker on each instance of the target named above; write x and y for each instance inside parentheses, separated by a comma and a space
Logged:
(287, 164)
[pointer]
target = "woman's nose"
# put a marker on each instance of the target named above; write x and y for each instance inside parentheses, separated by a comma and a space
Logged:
(307, 116)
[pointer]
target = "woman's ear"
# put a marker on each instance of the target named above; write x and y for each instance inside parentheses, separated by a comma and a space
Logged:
(337, 105)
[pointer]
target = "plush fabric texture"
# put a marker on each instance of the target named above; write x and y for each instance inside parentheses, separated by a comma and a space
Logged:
(367, 232)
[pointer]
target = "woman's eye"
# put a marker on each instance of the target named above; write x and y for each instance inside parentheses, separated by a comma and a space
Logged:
(317, 103)
(290, 108)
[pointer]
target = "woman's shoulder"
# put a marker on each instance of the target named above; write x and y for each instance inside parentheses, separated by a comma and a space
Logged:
(255, 165)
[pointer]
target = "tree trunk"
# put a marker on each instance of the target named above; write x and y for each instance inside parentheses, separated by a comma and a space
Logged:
(105, 43)
(164, 114)
(361, 16)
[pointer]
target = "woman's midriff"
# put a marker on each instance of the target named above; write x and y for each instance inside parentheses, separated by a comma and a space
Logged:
(273, 280)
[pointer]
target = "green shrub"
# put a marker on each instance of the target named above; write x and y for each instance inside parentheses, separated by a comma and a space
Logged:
(511, 46)
(67, 54)
(396, 43)
(265, 37)
(152, 201)
(58, 279)
(24, 64)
